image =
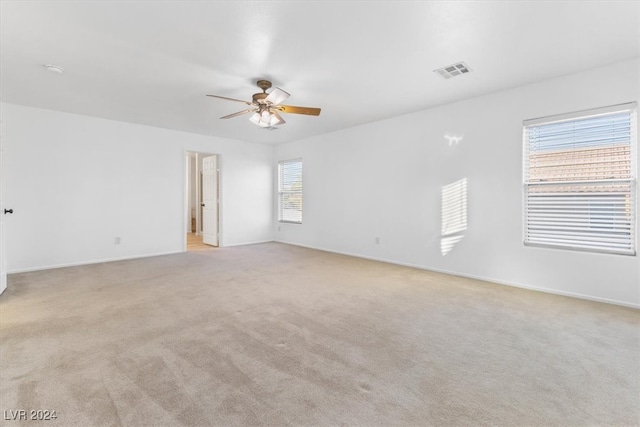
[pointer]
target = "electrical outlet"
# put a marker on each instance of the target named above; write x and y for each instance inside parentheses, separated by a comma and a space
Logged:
(377, 240)
(116, 240)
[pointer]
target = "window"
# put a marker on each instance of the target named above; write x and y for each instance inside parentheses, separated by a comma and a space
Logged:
(290, 191)
(580, 180)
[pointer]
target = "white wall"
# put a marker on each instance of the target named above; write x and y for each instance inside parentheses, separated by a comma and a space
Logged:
(384, 180)
(76, 182)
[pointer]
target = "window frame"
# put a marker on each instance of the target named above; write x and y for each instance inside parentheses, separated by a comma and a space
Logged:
(281, 191)
(632, 180)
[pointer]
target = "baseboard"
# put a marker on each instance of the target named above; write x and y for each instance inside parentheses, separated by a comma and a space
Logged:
(75, 264)
(472, 276)
(248, 243)
(420, 267)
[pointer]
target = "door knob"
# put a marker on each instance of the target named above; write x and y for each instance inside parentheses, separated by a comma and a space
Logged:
(6, 211)
(202, 205)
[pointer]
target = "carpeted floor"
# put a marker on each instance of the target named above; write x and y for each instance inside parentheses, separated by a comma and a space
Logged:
(279, 335)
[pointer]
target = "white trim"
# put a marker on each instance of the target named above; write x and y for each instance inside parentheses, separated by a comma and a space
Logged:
(476, 277)
(294, 160)
(249, 243)
(404, 264)
(75, 264)
(582, 113)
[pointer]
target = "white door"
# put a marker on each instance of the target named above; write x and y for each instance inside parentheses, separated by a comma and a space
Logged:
(210, 200)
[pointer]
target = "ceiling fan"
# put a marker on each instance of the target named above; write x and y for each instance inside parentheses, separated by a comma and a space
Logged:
(266, 107)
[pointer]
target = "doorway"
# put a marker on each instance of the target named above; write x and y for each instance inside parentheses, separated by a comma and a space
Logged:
(202, 201)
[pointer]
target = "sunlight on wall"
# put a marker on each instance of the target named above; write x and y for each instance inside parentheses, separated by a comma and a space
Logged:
(453, 215)
(453, 139)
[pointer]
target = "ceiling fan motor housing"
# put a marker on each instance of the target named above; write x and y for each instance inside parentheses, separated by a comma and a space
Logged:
(260, 97)
(264, 84)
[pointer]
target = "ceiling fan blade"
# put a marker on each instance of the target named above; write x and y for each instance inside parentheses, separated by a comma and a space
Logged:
(309, 111)
(239, 113)
(276, 96)
(230, 99)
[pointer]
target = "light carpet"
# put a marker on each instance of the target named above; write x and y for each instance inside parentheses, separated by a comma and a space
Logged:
(278, 335)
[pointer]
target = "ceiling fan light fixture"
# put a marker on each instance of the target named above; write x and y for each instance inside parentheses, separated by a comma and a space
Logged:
(258, 119)
(255, 118)
(276, 119)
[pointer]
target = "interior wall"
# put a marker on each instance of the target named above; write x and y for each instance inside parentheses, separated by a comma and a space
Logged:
(385, 181)
(77, 182)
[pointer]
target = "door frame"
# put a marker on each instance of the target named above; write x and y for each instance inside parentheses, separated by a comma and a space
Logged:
(3, 230)
(198, 180)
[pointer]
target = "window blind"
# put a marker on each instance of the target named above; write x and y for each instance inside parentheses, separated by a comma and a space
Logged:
(290, 191)
(579, 181)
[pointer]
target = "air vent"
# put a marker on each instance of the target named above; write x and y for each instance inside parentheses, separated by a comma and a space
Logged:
(453, 70)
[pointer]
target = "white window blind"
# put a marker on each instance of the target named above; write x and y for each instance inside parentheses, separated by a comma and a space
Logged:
(290, 191)
(579, 180)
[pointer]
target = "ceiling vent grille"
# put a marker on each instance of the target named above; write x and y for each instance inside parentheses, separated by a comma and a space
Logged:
(453, 70)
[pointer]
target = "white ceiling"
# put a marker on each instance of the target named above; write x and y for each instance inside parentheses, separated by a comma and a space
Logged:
(152, 62)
